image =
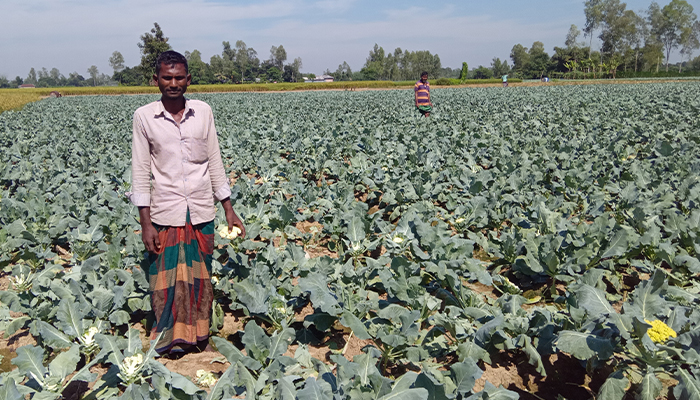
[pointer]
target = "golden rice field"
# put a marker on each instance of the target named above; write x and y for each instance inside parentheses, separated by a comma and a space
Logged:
(11, 99)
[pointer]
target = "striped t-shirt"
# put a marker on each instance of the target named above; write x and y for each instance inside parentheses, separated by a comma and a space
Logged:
(423, 92)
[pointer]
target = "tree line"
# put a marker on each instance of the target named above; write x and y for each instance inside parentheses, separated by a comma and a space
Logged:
(236, 64)
(632, 43)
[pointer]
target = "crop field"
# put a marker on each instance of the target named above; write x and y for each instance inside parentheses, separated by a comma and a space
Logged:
(528, 242)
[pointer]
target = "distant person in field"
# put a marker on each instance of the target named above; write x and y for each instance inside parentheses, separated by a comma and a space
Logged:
(504, 78)
(422, 95)
(177, 176)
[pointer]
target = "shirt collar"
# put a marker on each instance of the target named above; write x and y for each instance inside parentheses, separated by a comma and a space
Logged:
(160, 110)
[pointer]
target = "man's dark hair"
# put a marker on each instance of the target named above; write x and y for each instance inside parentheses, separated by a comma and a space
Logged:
(424, 73)
(170, 57)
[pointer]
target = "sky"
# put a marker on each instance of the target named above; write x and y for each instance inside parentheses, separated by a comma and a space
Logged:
(72, 35)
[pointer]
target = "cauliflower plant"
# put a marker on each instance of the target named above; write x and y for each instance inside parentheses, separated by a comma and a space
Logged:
(224, 233)
(205, 378)
(130, 369)
(659, 332)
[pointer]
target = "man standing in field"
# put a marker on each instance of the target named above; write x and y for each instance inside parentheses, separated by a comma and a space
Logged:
(177, 175)
(505, 80)
(422, 95)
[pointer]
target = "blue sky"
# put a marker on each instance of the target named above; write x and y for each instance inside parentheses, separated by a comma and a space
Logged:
(71, 35)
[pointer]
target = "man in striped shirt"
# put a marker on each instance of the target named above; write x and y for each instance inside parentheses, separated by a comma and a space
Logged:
(422, 95)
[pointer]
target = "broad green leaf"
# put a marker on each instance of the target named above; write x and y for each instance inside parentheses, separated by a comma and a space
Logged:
(65, 362)
(70, 318)
(407, 394)
(650, 387)
(584, 345)
(465, 374)
(315, 390)
(29, 360)
(279, 342)
(617, 245)
(321, 297)
(16, 324)
(285, 389)
(435, 390)
(180, 382)
(356, 230)
(469, 349)
(367, 367)
(245, 378)
(233, 355)
(109, 350)
(253, 296)
(647, 296)
(256, 341)
(119, 317)
(226, 379)
(9, 391)
(615, 387)
(491, 392)
(358, 328)
(688, 387)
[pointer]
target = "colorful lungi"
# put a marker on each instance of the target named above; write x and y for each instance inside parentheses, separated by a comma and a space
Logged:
(180, 284)
(425, 109)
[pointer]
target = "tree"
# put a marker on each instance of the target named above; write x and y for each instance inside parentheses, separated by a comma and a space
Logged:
(93, 72)
(635, 37)
(617, 23)
(128, 77)
(374, 65)
(75, 79)
(291, 71)
(520, 58)
(116, 62)
(483, 73)
(274, 74)
(31, 77)
(197, 67)
(695, 64)
(593, 9)
(18, 81)
(152, 44)
(499, 68)
(539, 60)
(278, 55)
(465, 71)
(689, 42)
(343, 73)
(670, 23)
(572, 37)
(4, 82)
(244, 58)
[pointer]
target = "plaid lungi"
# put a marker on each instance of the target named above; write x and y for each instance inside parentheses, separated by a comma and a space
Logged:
(180, 284)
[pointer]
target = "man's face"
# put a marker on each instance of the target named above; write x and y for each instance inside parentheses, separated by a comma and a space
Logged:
(424, 78)
(173, 80)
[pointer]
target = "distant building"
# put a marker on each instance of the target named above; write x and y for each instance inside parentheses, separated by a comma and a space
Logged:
(27, 86)
(323, 78)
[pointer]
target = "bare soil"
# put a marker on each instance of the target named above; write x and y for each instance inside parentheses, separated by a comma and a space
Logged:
(566, 376)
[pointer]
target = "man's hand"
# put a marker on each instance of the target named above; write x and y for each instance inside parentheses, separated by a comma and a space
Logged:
(231, 217)
(149, 234)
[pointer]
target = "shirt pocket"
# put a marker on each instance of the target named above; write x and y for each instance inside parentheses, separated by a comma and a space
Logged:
(199, 150)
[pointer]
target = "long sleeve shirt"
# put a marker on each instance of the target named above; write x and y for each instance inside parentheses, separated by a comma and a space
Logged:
(177, 166)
